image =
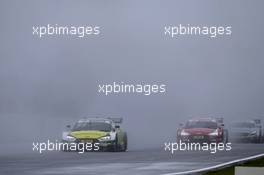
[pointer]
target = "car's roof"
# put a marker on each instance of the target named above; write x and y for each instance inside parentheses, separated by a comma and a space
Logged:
(95, 119)
(206, 119)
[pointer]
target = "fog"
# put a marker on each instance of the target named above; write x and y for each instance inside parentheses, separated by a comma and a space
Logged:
(53, 81)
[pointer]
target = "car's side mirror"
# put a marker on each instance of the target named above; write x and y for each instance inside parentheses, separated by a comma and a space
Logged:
(117, 126)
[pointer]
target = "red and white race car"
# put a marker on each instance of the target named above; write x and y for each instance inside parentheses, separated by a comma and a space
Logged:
(203, 130)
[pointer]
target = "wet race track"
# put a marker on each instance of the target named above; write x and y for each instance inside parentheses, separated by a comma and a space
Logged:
(152, 161)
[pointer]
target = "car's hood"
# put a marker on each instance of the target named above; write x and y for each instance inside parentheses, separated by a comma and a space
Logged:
(199, 131)
(88, 134)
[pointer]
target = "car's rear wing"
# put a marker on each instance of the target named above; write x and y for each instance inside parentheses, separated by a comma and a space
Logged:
(220, 120)
(257, 121)
(116, 120)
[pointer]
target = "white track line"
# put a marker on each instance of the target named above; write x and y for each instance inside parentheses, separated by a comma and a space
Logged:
(216, 166)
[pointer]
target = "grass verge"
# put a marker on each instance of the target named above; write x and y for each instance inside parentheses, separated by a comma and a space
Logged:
(231, 170)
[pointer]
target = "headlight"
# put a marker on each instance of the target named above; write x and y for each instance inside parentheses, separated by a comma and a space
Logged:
(105, 138)
(70, 138)
(214, 133)
(183, 133)
(253, 133)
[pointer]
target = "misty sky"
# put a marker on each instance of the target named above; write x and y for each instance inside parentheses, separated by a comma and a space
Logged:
(49, 82)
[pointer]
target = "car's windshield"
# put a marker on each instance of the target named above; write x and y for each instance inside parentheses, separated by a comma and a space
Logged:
(243, 125)
(201, 124)
(94, 126)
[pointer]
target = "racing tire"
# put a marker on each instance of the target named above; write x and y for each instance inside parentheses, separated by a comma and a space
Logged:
(257, 140)
(225, 137)
(116, 146)
(124, 147)
(260, 137)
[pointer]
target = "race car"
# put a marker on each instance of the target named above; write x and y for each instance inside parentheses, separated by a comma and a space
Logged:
(246, 131)
(203, 130)
(102, 132)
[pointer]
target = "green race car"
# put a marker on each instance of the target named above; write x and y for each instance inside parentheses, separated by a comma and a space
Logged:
(97, 134)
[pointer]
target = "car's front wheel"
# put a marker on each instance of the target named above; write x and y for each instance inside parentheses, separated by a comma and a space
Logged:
(124, 146)
(115, 145)
(225, 136)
